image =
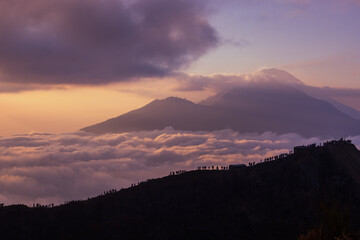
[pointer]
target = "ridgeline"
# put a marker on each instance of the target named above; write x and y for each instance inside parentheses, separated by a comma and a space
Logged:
(294, 195)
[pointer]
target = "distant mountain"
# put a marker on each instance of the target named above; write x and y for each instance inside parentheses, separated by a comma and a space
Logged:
(256, 107)
(159, 114)
(316, 189)
(280, 108)
(327, 94)
(352, 112)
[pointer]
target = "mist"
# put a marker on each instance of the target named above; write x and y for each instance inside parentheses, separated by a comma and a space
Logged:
(54, 168)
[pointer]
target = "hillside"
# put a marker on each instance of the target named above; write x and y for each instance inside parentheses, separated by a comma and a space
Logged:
(277, 199)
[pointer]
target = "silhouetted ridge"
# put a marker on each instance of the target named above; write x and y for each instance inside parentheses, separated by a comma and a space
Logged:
(276, 199)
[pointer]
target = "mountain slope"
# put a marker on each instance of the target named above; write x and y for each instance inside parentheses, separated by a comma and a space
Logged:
(257, 107)
(273, 200)
(272, 106)
(176, 112)
(352, 112)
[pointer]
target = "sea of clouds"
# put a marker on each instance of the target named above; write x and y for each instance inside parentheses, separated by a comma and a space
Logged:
(54, 168)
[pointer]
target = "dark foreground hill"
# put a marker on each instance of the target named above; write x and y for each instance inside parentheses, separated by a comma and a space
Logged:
(280, 199)
(255, 107)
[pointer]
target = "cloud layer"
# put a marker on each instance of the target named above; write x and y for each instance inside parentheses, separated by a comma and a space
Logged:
(50, 168)
(95, 42)
(223, 82)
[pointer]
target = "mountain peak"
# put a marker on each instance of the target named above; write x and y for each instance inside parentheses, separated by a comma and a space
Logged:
(170, 101)
(281, 76)
(176, 100)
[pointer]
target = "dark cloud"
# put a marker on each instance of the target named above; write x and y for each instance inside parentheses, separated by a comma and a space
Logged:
(236, 43)
(95, 42)
(18, 87)
(10, 88)
(54, 168)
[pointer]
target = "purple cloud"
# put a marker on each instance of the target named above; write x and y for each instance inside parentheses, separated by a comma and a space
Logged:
(96, 42)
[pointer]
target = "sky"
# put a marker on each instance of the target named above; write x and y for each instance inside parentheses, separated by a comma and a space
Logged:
(315, 40)
(67, 64)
